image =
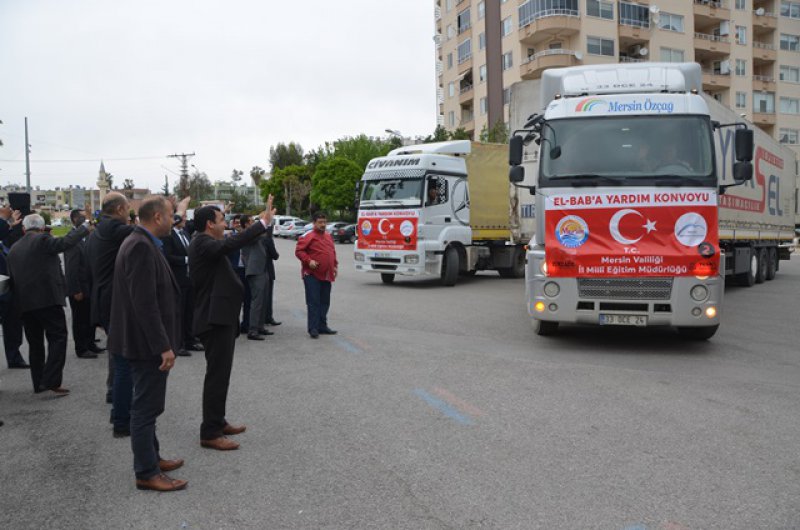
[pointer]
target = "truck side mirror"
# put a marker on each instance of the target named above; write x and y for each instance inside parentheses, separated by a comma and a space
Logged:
(742, 171)
(515, 150)
(744, 145)
(516, 174)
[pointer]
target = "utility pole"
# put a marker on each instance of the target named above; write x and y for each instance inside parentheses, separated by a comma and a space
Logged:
(184, 162)
(27, 158)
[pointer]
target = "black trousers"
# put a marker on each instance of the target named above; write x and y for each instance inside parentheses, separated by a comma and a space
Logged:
(149, 397)
(12, 334)
(82, 327)
(219, 343)
(187, 315)
(268, 298)
(46, 322)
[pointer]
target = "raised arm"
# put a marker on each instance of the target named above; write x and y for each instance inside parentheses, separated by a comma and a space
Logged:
(57, 245)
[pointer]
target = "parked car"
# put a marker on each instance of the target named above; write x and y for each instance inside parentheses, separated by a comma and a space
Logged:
(297, 229)
(345, 234)
(333, 226)
(284, 224)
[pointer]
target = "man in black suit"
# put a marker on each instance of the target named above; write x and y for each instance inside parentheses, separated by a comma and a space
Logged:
(254, 257)
(10, 233)
(272, 256)
(145, 330)
(176, 249)
(40, 288)
(238, 267)
(218, 292)
(79, 290)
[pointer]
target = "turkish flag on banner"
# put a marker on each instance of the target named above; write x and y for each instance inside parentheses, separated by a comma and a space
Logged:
(632, 233)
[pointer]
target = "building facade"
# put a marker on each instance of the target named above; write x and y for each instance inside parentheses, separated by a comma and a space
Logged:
(749, 51)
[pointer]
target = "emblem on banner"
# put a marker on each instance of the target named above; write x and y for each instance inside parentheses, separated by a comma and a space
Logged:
(366, 228)
(572, 231)
(691, 229)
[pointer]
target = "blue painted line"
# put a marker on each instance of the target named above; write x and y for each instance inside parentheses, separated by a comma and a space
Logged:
(443, 407)
(347, 345)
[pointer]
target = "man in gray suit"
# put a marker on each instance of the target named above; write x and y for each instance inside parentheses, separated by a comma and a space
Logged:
(254, 257)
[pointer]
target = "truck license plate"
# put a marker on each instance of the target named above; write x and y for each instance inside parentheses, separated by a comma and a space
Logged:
(623, 320)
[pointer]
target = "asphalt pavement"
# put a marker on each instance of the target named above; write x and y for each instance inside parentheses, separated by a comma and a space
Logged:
(440, 408)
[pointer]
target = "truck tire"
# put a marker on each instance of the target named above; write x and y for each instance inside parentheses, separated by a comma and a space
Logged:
(748, 278)
(772, 263)
(545, 328)
(703, 333)
(387, 277)
(517, 270)
(450, 267)
(761, 272)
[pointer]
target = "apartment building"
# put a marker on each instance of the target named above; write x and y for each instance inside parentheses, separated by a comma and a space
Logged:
(749, 51)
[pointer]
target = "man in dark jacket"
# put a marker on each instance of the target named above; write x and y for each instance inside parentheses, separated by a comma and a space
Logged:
(218, 293)
(145, 330)
(79, 290)
(272, 256)
(238, 267)
(254, 257)
(10, 233)
(35, 270)
(176, 249)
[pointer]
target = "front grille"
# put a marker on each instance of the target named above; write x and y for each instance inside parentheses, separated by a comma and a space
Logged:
(385, 260)
(625, 288)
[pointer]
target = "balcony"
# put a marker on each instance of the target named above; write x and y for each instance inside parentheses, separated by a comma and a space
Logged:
(464, 64)
(706, 11)
(764, 119)
(466, 95)
(714, 81)
(763, 83)
(764, 52)
(534, 65)
(633, 31)
(716, 45)
(765, 21)
(548, 27)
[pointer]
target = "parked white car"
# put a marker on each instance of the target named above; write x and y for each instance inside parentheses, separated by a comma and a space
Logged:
(284, 224)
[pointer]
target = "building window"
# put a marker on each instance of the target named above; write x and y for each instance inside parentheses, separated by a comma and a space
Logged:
(451, 118)
(465, 51)
(508, 60)
(764, 102)
(463, 21)
(741, 100)
(449, 60)
(536, 9)
(484, 106)
(482, 41)
(467, 115)
(740, 5)
(790, 74)
(790, 42)
(481, 10)
(790, 9)
(788, 136)
(600, 8)
(741, 35)
(448, 5)
(670, 55)
(634, 15)
(506, 96)
(741, 67)
(482, 73)
(790, 106)
(671, 22)
(598, 46)
(451, 89)
(506, 26)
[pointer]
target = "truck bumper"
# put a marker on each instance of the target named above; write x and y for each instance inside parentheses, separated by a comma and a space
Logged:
(664, 301)
(411, 263)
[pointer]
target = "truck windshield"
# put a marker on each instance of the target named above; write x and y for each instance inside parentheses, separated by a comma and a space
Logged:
(391, 193)
(628, 150)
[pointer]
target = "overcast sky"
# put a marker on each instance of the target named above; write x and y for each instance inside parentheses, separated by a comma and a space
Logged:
(225, 80)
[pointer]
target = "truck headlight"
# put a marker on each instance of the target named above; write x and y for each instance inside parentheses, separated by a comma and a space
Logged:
(358, 256)
(543, 267)
(699, 293)
(551, 289)
(411, 258)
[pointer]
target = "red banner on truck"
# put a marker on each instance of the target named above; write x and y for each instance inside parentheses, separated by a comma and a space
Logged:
(387, 229)
(632, 233)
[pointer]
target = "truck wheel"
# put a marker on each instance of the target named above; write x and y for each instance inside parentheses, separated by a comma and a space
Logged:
(387, 278)
(761, 272)
(703, 333)
(450, 267)
(748, 278)
(545, 327)
(517, 270)
(772, 263)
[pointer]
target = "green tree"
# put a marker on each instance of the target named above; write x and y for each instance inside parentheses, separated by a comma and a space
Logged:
(236, 175)
(200, 187)
(334, 184)
(283, 155)
(46, 216)
(459, 134)
(290, 188)
(128, 184)
(110, 179)
(241, 201)
(439, 135)
(361, 149)
(165, 188)
(498, 134)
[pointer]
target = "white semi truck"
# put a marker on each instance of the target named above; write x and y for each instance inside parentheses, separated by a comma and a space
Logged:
(648, 194)
(442, 210)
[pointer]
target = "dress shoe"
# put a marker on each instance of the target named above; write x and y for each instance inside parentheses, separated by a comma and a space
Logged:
(254, 336)
(56, 392)
(22, 365)
(161, 482)
(220, 444)
(328, 331)
(273, 322)
(183, 353)
(314, 334)
(170, 465)
(96, 349)
(195, 347)
(265, 331)
(123, 433)
(233, 429)
(86, 355)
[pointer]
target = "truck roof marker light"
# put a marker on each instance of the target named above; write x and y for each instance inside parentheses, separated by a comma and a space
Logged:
(539, 307)
(711, 312)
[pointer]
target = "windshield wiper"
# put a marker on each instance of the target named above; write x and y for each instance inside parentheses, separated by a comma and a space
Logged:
(589, 179)
(678, 180)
